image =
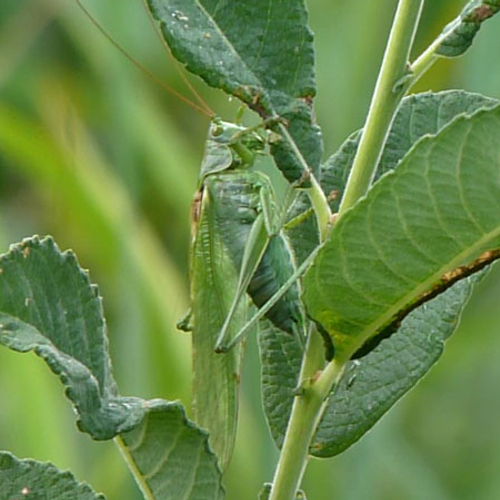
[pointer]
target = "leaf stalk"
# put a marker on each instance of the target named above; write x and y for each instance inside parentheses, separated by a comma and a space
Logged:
(317, 196)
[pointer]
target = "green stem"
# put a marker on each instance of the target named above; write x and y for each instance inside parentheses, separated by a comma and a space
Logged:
(307, 409)
(316, 194)
(391, 87)
(425, 60)
(320, 207)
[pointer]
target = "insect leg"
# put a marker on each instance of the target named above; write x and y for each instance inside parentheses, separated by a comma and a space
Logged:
(255, 247)
(272, 301)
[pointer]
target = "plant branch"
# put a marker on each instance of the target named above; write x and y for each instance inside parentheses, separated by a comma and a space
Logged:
(392, 84)
(308, 407)
(423, 62)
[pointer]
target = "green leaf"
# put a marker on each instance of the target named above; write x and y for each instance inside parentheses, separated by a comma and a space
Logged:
(418, 115)
(458, 36)
(170, 456)
(281, 356)
(302, 228)
(372, 384)
(438, 210)
(30, 480)
(257, 51)
(48, 305)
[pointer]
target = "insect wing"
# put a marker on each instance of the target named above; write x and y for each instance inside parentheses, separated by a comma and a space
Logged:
(216, 376)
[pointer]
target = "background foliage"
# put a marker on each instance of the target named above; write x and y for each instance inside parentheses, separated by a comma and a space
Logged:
(95, 154)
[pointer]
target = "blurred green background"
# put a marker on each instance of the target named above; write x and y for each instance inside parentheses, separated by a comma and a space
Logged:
(96, 155)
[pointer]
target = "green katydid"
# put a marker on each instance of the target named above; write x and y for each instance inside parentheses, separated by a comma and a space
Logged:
(261, 253)
(234, 228)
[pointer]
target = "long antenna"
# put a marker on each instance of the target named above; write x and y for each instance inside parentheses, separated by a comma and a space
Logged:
(205, 110)
(166, 49)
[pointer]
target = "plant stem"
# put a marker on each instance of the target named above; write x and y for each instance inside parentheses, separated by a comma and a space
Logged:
(391, 87)
(320, 207)
(316, 194)
(425, 60)
(307, 409)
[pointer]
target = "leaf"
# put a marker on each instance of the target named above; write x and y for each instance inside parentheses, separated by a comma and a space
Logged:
(372, 384)
(30, 480)
(302, 228)
(281, 356)
(458, 36)
(257, 51)
(437, 211)
(426, 114)
(418, 115)
(172, 456)
(48, 305)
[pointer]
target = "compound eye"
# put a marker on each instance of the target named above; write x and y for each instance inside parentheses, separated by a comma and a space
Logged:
(217, 130)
